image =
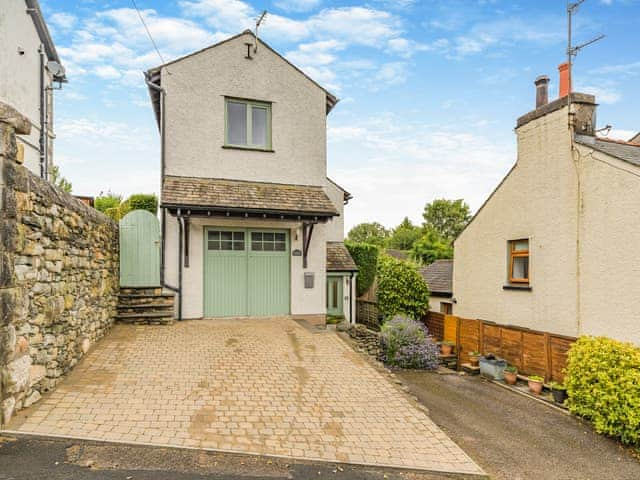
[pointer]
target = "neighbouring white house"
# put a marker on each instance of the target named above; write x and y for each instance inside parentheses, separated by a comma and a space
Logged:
(552, 248)
(30, 71)
(251, 224)
(438, 276)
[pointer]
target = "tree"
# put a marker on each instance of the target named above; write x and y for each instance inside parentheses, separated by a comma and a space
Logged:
(404, 235)
(58, 180)
(447, 217)
(103, 202)
(371, 233)
(431, 247)
(401, 289)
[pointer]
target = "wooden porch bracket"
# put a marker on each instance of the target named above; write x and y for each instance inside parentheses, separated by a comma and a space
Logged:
(307, 232)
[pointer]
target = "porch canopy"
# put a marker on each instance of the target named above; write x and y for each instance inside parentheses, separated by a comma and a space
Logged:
(237, 198)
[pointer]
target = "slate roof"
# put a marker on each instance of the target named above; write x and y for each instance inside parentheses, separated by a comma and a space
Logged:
(238, 195)
(339, 259)
(625, 151)
(439, 276)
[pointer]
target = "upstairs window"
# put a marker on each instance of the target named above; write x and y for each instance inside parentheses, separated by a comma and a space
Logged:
(247, 124)
(519, 261)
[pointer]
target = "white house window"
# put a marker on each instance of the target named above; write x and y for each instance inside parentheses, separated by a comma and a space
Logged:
(247, 124)
(519, 261)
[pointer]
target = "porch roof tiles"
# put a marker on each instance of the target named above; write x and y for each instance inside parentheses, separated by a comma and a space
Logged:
(339, 259)
(239, 195)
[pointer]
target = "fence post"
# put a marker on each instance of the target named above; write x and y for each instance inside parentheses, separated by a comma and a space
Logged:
(481, 337)
(548, 367)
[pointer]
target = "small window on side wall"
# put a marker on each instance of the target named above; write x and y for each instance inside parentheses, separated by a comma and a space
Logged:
(519, 261)
(247, 124)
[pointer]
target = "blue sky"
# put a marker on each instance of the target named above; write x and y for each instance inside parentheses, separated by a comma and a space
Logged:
(430, 89)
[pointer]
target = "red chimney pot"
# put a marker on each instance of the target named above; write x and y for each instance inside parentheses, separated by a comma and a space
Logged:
(565, 79)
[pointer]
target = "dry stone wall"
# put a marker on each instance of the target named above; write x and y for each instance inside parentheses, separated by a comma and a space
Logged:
(58, 277)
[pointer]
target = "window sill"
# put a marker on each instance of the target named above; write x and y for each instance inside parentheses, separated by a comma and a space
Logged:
(252, 149)
(526, 288)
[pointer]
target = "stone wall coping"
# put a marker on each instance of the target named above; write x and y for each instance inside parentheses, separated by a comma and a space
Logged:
(11, 116)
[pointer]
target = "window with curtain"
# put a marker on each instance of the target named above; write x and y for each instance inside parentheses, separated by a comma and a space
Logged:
(247, 124)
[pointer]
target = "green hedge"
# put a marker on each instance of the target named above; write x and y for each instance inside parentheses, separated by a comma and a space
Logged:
(143, 201)
(603, 384)
(366, 258)
(401, 289)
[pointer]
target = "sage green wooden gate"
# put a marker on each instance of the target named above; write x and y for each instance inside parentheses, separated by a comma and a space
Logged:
(246, 272)
(139, 250)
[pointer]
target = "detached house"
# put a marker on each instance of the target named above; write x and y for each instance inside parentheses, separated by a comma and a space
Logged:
(251, 224)
(30, 69)
(553, 247)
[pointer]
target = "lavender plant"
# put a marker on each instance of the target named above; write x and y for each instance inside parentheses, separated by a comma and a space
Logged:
(407, 344)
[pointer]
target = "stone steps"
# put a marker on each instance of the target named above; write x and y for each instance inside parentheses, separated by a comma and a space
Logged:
(150, 306)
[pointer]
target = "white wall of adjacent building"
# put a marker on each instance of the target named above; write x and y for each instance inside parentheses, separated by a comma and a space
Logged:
(579, 210)
(20, 76)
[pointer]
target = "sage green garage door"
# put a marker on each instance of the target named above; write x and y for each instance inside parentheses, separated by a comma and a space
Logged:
(246, 272)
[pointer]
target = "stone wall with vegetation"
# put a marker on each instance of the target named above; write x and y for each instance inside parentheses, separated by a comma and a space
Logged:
(58, 277)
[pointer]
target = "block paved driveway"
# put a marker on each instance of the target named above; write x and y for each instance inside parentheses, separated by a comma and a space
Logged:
(263, 386)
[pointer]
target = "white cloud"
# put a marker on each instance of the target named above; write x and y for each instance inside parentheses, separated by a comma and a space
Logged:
(64, 21)
(393, 73)
(412, 163)
(113, 44)
(355, 25)
(506, 32)
(623, 70)
(297, 5)
(604, 94)
(107, 72)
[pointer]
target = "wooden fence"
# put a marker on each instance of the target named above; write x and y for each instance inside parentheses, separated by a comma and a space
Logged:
(441, 326)
(367, 313)
(533, 352)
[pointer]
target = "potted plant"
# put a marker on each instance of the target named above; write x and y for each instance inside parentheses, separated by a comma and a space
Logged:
(474, 358)
(559, 392)
(446, 348)
(510, 375)
(535, 383)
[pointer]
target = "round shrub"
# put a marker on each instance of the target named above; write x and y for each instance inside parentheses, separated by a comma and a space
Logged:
(401, 289)
(366, 258)
(406, 344)
(603, 384)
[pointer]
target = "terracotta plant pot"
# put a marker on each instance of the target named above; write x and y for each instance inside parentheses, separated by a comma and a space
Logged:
(446, 348)
(535, 386)
(510, 378)
(474, 360)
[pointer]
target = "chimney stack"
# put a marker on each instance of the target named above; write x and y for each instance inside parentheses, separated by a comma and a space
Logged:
(542, 90)
(565, 80)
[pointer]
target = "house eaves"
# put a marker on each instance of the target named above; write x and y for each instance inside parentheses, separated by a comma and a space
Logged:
(33, 9)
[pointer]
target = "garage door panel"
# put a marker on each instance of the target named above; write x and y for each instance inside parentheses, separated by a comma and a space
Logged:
(268, 285)
(225, 286)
